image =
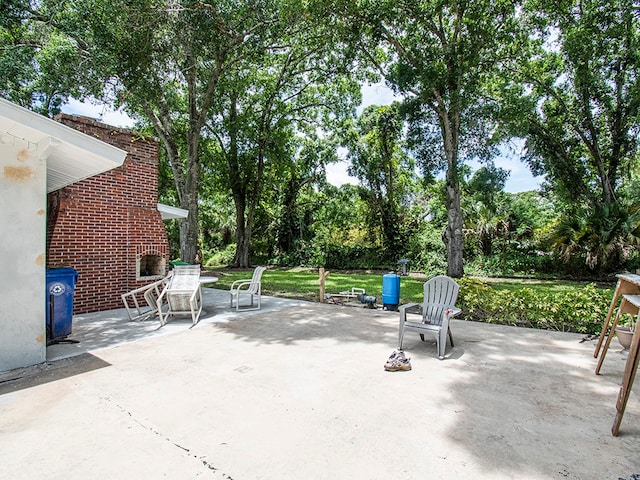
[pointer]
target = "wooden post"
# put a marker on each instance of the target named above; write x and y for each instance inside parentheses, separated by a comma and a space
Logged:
(321, 280)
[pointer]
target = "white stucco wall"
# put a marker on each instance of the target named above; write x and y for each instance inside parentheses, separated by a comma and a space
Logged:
(23, 186)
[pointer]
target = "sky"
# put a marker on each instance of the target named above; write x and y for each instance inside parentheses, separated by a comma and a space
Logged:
(520, 178)
(101, 112)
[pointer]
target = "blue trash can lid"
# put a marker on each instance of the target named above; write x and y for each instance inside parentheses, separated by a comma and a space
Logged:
(64, 272)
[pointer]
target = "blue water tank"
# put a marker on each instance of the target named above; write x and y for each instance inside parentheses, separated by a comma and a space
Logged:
(390, 291)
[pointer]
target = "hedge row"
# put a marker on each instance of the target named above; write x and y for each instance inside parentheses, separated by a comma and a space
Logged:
(579, 310)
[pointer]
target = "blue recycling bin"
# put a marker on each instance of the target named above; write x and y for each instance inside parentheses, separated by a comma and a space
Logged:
(61, 284)
(390, 291)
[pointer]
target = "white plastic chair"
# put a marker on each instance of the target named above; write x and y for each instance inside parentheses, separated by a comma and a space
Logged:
(150, 293)
(182, 294)
(438, 307)
(249, 287)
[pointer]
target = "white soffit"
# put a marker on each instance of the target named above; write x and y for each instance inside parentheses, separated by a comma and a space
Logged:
(167, 212)
(70, 155)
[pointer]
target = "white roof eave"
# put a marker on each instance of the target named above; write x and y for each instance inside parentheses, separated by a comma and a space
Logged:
(70, 155)
(167, 212)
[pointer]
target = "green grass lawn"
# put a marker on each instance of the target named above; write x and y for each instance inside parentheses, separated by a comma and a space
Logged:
(303, 283)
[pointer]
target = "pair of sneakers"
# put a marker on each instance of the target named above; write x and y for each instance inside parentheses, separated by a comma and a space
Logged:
(397, 362)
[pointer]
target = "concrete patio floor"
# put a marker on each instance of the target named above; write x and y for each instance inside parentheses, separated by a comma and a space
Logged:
(297, 390)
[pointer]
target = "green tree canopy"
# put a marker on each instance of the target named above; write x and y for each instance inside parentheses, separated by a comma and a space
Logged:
(380, 161)
(578, 97)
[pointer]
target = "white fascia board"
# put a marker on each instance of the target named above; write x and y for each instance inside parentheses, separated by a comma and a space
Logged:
(167, 212)
(71, 155)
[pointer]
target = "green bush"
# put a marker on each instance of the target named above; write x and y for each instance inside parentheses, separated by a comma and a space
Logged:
(349, 257)
(220, 257)
(579, 310)
(510, 264)
(427, 252)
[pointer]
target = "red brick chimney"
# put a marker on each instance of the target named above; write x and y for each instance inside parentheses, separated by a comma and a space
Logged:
(108, 227)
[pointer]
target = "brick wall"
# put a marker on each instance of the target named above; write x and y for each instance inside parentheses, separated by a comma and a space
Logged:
(101, 225)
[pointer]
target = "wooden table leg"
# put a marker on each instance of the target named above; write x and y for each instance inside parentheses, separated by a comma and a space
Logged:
(630, 304)
(605, 325)
(609, 338)
(629, 375)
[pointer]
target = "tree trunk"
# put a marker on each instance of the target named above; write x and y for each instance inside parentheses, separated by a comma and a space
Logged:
(287, 228)
(243, 235)
(244, 221)
(453, 238)
(453, 233)
(189, 248)
(187, 181)
(243, 245)
(238, 189)
(189, 251)
(244, 186)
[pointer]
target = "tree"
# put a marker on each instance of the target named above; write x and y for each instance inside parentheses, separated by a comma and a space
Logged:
(578, 97)
(437, 54)
(339, 228)
(575, 98)
(163, 61)
(486, 214)
(296, 195)
(38, 64)
(175, 64)
(603, 239)
(379, 161)
(300, 84)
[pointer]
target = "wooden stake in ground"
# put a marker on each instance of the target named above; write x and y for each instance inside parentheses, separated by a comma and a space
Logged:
(321, 280)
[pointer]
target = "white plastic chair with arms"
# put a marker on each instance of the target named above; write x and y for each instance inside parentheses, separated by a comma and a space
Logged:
(150, 293)
(440, 295)
(249, 287)
(182, 294)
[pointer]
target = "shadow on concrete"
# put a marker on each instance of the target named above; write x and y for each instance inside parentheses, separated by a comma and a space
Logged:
(308, 321)
(22, 378)
(516, 399)
(531, 397)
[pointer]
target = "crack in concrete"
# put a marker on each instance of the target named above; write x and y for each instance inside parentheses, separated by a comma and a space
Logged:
(202, 460)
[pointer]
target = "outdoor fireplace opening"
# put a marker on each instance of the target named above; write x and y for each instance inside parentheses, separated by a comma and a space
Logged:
(149, 267)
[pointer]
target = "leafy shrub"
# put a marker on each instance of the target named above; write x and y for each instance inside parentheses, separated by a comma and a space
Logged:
(427, 252)
(602, 238)
(633, 263)
(516, 263)
(347, 257)
(334, 256)
(220, 257)
(576, 310)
